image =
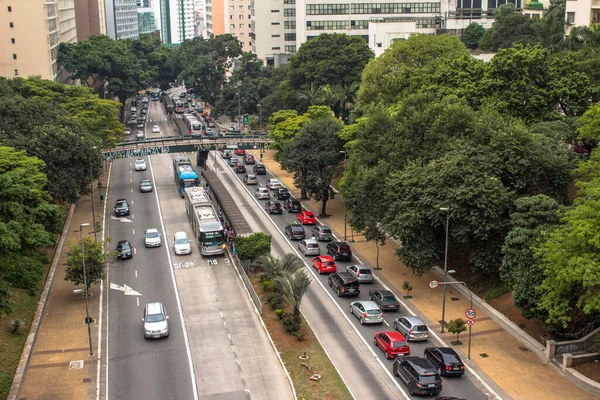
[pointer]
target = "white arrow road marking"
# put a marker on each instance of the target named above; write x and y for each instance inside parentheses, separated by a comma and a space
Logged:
(126, 289)
(120, 219)
(117, 287)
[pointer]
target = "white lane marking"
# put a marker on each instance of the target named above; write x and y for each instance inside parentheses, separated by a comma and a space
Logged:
(385, 322)
(132, 190)
(315, 278)
(406, 307)
(136, 273)
(134, 231)
(131, 180)
(134, 251)
(179, 307)
(130, 171)
(137, 300)
(132, 216)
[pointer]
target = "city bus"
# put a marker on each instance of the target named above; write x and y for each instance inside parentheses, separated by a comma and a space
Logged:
(206, 225)
(184, 173)
(194, 126)
(179, 107)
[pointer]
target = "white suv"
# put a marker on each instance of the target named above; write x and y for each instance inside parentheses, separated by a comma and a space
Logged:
(181, 243)
(140, 165)
(155, 321)
(152, 238)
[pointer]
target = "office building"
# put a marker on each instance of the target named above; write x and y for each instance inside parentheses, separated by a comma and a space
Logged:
(121, 19)
(582, 12)
(30, 33)
(146, 17)
(176, 21)
(91, 19)
(233, 17)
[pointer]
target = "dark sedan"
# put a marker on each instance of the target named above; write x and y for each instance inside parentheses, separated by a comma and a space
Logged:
(292, 205)
(385, 299)
(445, 360)
(273, 207)
(240, 168)
(282, 194)
(124, 250)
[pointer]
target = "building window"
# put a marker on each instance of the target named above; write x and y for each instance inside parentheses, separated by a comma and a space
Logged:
(289, 37)
(290, 49)
(240, 16)
(275, 48)
(275, 35)
(289, 12)
(12, 40)
(249, 25)
(275, 23)
(241, 26)
(232, 8)
(289, 24)
(11, 25)
(241, 8)
(232, 26)
(16, 72)
(231, 17)
(249, 16)
(9, 9)
(274, 11)
(570, 18)
(241, 34)
(14, 56)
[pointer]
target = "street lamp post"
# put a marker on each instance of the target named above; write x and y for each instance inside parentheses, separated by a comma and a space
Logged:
(447, 211)
(259, 117)
(88, 320)
(471, 306)
(345, 217)
(239, 111)
(93, 202)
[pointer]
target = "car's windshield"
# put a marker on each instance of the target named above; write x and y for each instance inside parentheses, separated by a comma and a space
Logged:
(450, 358)
(364, 271)
(151, 235)
(420, 328)
(181, 241)
(325, 230)
(389, 298)
(155, 318)
(399, 345)
(429, 378)
(145, 183)
(374, 312)
(313, 245)
(328, 263)
(125, 246)
(214, 238)
(121, 204)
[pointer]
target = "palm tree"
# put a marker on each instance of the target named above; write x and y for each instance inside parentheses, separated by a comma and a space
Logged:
(584, 37)
(293, 287)
(310, 95)
(348, 97)
(274, 267)
(331, 97)
(550, 32)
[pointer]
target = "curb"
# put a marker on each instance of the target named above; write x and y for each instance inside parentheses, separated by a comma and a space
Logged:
(17, 384)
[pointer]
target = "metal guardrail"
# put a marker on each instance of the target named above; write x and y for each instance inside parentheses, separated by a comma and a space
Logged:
(242, 270)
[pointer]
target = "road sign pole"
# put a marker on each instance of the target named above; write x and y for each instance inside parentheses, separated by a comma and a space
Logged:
(469, 351)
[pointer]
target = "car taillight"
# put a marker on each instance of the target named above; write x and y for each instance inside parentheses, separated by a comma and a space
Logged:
(358, 287)
(419, 385)
(358, 275)
(382, 314)
(462, 367)
(410, 332)
(365, 315)
(448, 368)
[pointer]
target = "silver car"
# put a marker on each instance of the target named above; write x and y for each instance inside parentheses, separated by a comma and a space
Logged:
(155, 321)
(368, 312)
(262, 193)
(273, 184)
(145, 186)
(181, 243)
(362, 273)
(413, 328)
(309, 247)
(152, 238)
(322, 232)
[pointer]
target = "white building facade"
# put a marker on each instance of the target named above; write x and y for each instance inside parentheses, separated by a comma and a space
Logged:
(122, 19)
(176, 21)
(582, 12)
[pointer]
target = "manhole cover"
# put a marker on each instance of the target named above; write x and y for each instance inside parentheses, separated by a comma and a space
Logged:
(86, 380)
(484, 355)
(523, 349)
(76, 364)
(455, 299)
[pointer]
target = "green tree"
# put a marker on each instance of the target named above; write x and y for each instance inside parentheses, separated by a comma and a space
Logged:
(511, 27)
(472, 34)
(95, 257)
(329, 59)
(253, 246)
(406, 67)
(313, 170)
(456, 327)
(532, 216)
(6, 304)
(293, 287)
(273, 266)
(588, 127)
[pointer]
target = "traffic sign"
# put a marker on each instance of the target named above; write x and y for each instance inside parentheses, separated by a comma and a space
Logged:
(433, 284)
(470, 313)
(471, 322)
(245, 119)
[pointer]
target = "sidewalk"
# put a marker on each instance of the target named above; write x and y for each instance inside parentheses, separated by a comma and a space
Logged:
(59, 365)
(519, 372)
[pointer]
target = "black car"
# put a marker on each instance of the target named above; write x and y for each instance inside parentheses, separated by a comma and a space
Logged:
(384, 299)
(445, 359)
(295, 231)
(121, 208)
(344, 284)
(249, 159)
(124, 250)
(240, 168)
(282, 194)
(339, 251)
(259, 169)
(273, 207)
(292, 205)
(418, 374)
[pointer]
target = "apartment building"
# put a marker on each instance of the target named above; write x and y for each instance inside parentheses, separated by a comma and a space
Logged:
(146, 17)
(281, 26)
(121, 19)
(91, 18)
(582, 12)
(176, 21)
(233, 17)
(30, 33)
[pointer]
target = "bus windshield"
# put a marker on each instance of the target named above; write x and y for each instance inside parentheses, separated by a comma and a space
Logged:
(189, 183)
(214, 238)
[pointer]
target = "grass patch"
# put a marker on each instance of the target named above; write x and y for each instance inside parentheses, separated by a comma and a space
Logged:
(11, 345)
(330, 386)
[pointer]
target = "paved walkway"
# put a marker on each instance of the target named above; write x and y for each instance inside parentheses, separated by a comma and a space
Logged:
(60, 366)
(520, 373)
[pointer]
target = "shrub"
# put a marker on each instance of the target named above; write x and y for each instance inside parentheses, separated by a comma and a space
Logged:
(279, 312)
(288, 323)
(267, 285)
(274, 300)
(494, 293)
(16, 325)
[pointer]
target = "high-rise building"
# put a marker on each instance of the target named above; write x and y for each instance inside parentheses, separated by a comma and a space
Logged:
(233, 17)
(582, 12)
(31, 32)
(122, 19)
(176, 21)
(91, 19)
(146, 17)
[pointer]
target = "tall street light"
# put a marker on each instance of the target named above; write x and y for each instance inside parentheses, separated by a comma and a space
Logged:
(345, 217)
(88, 320)
(93, 203)
(447, 211)
(259, 117)
(239, 110)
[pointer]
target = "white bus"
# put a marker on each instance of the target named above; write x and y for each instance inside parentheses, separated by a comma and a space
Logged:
(206, 225)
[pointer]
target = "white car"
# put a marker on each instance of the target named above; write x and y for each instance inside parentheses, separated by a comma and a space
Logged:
(181, 243)
(140, 165)
(156, 129)
(152, 238)
(139, 134)
(273, 184)
(128, 131)
(262, 193)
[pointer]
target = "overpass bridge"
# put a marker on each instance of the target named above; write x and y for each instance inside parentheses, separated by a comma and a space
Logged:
(177, 144)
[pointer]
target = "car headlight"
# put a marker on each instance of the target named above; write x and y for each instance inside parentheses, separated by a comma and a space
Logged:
(224, 246)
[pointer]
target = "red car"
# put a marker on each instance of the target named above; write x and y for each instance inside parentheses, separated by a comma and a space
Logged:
(324, 264)
(393, 344)
(240, 152)
(307, 218)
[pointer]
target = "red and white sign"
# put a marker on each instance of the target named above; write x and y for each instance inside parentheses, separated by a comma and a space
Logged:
(433, 284)
(471, 322)
(470, 313)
